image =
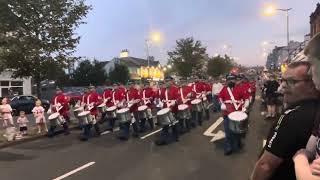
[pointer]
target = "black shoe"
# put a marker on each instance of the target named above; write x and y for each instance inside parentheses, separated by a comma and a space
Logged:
(160, 143)
(135, 135)
(83, 139)
(122, 138)
(228, 153)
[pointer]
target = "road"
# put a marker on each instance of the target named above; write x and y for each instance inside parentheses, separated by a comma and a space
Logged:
(194, 157)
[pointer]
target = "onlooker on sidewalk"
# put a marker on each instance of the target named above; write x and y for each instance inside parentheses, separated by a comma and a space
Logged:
(216, 89)
(6, 117)
(271, 96)
(22, 122)
(38, 112)
(293, 128)
(304, 171)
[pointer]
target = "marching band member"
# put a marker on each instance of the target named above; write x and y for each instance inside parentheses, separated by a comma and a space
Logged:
(198, 88)
(118, 97)
(60, 103)
(186, 96)
(148, 95)
(92, 99)
(207, 88)
(231, 97)
(169, 97)
(133, 100)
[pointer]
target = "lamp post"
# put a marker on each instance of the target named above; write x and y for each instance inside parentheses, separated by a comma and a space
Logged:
(271, 10)
(154, 37)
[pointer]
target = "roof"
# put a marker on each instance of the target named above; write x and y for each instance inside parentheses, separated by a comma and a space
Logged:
(132, 61)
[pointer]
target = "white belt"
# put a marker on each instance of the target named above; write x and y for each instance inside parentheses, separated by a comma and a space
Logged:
(229, 101)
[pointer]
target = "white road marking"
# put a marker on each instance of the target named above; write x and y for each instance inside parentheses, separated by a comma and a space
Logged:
(219, 135)
(75, 170)
(150, 134)
(215, 136)
(107, 132)
(264, 142)
(209, 131)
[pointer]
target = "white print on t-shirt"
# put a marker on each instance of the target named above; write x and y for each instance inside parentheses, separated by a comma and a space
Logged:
(271, 140)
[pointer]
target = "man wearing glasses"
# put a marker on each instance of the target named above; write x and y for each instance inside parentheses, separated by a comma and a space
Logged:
(293, 129)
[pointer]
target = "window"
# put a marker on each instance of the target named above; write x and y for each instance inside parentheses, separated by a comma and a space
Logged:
(4, 83)
(16, 83)
(17, 90)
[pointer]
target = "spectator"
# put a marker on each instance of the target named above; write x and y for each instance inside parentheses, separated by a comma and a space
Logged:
(38, 112)
(271, 88)
(22, 122)
(293, 128)
(304, 171)
(216, 88)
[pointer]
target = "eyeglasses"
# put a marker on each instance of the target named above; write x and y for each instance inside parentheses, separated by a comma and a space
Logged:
(291, 81)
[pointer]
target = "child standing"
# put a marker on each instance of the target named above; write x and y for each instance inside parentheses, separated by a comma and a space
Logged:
(6, 110)
(22, 121)
(38, 113)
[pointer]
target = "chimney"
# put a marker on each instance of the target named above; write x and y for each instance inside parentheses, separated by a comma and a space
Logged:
(124, 53)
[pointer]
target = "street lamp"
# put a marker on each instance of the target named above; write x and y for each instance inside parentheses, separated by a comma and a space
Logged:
(228, 46)
(270, 10)
(155, 37)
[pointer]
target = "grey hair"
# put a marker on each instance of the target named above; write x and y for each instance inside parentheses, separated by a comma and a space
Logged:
(316, 71)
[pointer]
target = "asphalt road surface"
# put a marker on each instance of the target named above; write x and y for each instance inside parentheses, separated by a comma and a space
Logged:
(194, 157)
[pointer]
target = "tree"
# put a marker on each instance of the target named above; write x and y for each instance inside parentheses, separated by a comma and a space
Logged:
(89, 73)
(187, 57)
(120, 74)
(36, 35)
(219, 65)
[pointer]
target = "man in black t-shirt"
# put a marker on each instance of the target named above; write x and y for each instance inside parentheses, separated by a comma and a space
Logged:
(292, 131)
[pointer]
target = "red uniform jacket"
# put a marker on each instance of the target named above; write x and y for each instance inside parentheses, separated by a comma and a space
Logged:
(246, 87)
(107, 94)
(239, 96)
(186, 90)
(207, 87)
(118, 95)
(150, 94)
(95, 99)
(198, 87)
(64, 101)
(253, 87)
(171, 93)
(133, 94)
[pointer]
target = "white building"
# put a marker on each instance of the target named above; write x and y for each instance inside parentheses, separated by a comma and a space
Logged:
(10, 86)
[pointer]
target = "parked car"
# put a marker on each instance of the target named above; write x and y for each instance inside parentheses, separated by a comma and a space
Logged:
(26, 103)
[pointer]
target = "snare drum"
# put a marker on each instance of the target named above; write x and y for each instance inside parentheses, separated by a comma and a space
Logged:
(183, 111)
(85, 118)
(124, 115)
(165, 117)
(111, 112)
(238, 122)
(54, 119)
(102, 108)
(143, 114)
(77, 111)
(196, 105)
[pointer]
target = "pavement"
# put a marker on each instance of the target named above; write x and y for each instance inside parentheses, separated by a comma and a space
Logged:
(194, 157)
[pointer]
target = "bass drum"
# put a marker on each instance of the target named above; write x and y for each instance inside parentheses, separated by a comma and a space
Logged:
(196, 105)
(143, 114)
(85, 118)
(184, 111)
(111, 112)
(124, 115)
(165, 117)
(238, 122)
(54, 119)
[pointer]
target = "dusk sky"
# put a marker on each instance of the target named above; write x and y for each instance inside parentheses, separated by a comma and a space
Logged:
(113, 25)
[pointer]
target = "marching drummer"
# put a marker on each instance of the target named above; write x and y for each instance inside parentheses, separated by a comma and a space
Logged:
(169, 97)
(198, 88)
(231, 97)
(207, 88)
(133, 99)
(148, 95)
(186, 96)
(118, 97)
(92, 99)
(60, 103)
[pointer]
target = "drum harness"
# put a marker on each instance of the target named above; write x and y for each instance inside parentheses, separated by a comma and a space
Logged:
(233, 101)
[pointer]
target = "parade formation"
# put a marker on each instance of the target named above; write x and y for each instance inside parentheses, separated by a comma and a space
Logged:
(176, 106)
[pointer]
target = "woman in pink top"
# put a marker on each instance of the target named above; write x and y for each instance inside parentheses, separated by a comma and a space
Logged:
(6, 110)
(38, 113)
